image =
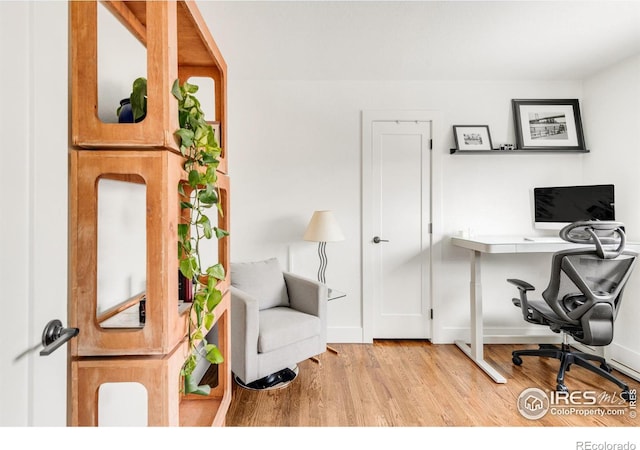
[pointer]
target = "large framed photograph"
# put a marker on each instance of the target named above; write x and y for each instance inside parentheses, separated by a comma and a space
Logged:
(472, 137)
(548, 124)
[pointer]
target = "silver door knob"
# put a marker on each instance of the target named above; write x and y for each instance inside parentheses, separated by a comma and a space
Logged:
(54, 335)
(377, 240)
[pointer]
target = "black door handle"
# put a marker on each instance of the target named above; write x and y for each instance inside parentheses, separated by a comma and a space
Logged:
(377, 240)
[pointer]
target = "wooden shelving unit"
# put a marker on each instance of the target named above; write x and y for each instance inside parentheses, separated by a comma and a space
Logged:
(179, 45)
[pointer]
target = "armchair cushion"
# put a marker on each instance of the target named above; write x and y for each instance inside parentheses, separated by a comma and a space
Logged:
(282, 326)
(263, 280)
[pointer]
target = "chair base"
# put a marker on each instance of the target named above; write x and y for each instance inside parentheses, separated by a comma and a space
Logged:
(277, 380)
(567, 357)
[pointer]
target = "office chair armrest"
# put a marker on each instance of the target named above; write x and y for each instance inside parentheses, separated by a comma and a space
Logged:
(523, 302)
(521, 285)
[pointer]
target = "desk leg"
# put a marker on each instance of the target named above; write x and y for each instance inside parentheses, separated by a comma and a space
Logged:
(476, 350)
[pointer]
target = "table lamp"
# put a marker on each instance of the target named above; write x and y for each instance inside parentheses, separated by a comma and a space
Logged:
(323, 228)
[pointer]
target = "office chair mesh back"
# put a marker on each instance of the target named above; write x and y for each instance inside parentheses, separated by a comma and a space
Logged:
(586, 293)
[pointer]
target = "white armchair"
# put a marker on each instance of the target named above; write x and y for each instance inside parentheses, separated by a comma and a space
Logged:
(278, 319)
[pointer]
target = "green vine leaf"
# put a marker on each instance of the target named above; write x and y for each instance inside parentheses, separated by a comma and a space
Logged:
(208, 196)
(208, 320)
(215, 297)
(194, 178)
(198, 336)
(217, 271)
(220, 233)
(186, 137)
(183, 230)
(190, 88)
(213, 354)
(206, 229)
(191, 386)
(186, 267)
(138, 98)
(175, 90)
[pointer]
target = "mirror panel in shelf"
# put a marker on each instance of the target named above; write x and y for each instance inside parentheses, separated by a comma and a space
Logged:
(122, 252)
(117, 69)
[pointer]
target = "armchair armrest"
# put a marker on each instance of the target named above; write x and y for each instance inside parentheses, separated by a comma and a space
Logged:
(306, 295)
(245, 323)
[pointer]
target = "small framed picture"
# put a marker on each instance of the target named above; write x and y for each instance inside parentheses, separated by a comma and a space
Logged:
(472, 137)
(548, 124)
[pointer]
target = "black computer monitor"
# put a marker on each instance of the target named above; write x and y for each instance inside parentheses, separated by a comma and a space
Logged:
(556, 207)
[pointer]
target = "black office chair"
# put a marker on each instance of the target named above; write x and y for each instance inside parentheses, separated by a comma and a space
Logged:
(583, 297)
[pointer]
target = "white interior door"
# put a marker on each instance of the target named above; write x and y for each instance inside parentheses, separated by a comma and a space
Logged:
(400, 242)
(33, 210)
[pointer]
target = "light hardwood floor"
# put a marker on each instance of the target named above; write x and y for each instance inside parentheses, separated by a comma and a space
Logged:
(415, 384)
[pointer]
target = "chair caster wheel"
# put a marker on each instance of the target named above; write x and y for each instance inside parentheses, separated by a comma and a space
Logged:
(516, 360)
(606, 367)
(562, 388)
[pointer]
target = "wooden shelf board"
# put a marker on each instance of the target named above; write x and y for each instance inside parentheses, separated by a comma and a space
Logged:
(127, 318)
(513, 152)
(202, 411)
(118, 309)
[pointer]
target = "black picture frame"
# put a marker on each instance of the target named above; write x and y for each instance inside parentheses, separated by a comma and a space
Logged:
(548, 124)
(472, 137)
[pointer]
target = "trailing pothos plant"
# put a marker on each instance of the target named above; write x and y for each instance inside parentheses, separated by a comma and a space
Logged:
(200, 196)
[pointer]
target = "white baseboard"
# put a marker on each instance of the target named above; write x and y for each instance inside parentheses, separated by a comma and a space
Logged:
(624, 359)
(344, 335)
(498, 335)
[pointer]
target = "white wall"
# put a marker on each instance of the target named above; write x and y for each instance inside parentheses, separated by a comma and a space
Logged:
(294, 147)
(612, 119)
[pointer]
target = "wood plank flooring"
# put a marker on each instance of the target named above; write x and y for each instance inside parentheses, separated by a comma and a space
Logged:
(415, 384)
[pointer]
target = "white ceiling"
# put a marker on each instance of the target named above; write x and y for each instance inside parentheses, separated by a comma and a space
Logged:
(414, 40)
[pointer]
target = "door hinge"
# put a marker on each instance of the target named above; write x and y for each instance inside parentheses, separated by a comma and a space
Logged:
(431, 313)
(430, 144)
(430, 228)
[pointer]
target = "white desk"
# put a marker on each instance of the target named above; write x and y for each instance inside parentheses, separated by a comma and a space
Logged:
(494, 244)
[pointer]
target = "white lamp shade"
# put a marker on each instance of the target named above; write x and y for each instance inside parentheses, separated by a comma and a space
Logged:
(323, 228)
